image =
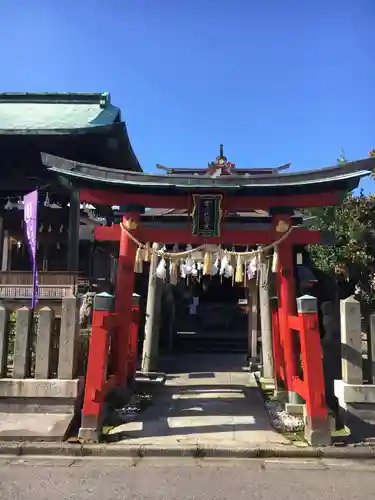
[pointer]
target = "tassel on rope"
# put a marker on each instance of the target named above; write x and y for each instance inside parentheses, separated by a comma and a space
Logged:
(229, 271)
(252, 268)
(182, 269)
(239, 270)
(215, 267)
(224, 264)
(233, 264)
(245, 270)
(232, 258)
(194, 270)
(189, 263)
(207, 264)
(173, 272)
(161, 270)
(147, 253)
(138, 264)
(226, 269)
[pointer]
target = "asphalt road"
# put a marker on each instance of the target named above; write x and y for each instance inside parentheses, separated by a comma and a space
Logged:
(119, 479)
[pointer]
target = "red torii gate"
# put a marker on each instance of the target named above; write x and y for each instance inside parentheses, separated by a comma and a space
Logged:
(279, 194)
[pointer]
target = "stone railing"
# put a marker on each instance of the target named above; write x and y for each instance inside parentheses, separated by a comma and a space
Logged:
(356, 398)
(38, 384)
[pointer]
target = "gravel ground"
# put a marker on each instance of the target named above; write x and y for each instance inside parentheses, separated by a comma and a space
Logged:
(281, 420)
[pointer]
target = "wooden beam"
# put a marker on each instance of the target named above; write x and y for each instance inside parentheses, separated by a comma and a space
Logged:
(111, 233)
(235, 203)
(299, 236)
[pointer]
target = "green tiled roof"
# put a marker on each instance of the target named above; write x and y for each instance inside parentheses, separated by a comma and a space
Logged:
(55, 112)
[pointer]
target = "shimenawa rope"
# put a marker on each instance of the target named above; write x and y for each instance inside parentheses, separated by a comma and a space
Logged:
(180, 255)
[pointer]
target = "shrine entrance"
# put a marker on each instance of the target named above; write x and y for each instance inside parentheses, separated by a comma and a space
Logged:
(233, 218)
(211, 315)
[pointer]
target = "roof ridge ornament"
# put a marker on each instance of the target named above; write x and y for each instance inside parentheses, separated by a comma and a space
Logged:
(221, 165)
(342, 158)
(221, 159)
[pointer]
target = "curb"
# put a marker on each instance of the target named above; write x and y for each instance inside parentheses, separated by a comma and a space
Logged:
(139, 451)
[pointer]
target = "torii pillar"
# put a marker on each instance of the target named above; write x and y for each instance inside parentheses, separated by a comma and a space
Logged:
(124, 295)
(287, 299)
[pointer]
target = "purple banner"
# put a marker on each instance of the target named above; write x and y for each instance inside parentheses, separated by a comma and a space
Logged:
(30, 204)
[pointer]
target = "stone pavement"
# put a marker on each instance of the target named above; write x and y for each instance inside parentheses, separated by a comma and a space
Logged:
(209, 400)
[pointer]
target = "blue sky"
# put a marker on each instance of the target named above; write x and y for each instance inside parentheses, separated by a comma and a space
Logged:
(273, 80)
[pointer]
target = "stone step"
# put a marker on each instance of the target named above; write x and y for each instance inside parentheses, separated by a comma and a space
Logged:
(211, 345)
(212, 334)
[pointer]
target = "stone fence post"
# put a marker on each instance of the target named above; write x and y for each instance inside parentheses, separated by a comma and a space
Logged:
(44, 343)
(21, 363)
(356, 399)
(351, 342)
(4, 315)
(68, 338)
